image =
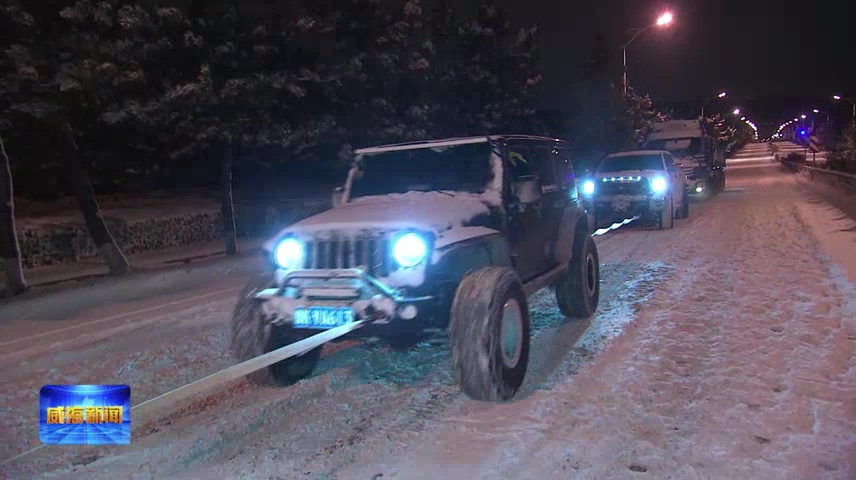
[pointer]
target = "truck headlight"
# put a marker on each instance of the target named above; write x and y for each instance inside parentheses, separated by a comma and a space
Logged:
(288, 254)
(588, 187)
(658, 185)
(409, 250)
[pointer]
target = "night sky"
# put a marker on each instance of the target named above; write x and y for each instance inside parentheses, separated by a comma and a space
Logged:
(776, 59)
(772, 57)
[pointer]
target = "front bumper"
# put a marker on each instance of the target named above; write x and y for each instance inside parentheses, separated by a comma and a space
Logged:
(619, 207)
(353, 288)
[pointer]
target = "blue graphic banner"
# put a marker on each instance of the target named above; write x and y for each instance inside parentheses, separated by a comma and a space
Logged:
(85, 414)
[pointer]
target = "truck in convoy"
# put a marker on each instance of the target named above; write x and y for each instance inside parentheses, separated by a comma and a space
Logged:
(694, 151)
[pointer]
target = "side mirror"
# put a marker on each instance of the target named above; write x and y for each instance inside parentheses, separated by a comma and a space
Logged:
(338, 193)
(527, 189)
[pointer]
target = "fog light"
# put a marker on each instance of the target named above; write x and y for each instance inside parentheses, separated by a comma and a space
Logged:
(407, 312)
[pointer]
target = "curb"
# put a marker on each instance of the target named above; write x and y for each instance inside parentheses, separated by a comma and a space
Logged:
(36, 285)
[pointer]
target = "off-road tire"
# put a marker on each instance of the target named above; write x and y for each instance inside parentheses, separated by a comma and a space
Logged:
(578, 289)
(684, 211)
(667, 216)
(403, 341)
(475, 334)
(252, 336)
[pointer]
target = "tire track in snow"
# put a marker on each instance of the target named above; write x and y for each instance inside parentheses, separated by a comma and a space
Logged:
(444, 399)
(685, 361)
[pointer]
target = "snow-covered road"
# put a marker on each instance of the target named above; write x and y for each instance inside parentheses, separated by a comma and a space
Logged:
(722, 349)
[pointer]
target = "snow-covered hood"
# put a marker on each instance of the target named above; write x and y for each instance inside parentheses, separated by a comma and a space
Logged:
(427, 211)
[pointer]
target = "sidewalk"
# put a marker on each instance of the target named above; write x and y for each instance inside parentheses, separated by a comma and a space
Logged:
(94, 267)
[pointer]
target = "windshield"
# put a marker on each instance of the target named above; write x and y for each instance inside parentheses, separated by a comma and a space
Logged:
(677, 146)
(631, 162)
(456, 168)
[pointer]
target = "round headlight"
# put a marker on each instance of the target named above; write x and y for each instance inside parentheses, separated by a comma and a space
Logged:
(658, 185)
(409, 250)
(288, 254)
(588, 187)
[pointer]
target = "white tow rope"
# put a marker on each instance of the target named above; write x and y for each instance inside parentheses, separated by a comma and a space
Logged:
(615, 226)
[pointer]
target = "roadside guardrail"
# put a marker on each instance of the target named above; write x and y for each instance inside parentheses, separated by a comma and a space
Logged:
(841, 180)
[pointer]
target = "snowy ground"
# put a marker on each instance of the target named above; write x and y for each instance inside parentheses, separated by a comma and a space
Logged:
(722, 349)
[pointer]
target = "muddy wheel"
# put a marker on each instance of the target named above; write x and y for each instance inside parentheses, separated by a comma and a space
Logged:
(667, 216)
(578, 290)
(252, 336)
(490, 334)
(401, 341)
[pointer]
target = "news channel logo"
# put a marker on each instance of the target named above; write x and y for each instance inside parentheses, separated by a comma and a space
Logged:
(85, 414)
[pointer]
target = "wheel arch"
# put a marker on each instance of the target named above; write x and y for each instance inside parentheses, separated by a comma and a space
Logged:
(573, 224)
(467, 249)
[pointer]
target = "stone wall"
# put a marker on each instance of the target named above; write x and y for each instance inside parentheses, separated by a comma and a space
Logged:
(64, 238)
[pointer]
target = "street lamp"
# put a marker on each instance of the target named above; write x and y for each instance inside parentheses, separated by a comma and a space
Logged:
(819, 112)
(736, 111)
(708, 99)
(852, 101)
(802, 116)
(662, 21)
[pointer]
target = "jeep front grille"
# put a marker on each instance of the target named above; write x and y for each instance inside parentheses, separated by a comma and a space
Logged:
(368, 253)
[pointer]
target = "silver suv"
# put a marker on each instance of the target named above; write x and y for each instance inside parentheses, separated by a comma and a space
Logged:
(643, 182)
(427, 237)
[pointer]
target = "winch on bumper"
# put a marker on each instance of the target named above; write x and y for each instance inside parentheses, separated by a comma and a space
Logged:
(346, 294)
(619, 207)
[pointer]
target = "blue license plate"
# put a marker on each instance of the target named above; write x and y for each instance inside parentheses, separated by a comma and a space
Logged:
(322, 317)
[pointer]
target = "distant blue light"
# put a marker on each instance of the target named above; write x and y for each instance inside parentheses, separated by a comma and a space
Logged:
(802, 132)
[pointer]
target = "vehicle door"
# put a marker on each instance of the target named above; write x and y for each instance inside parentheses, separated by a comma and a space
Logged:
(558, 192)
(526, 233)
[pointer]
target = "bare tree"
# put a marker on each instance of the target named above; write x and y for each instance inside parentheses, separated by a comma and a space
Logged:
(82, 188)
(10, 250)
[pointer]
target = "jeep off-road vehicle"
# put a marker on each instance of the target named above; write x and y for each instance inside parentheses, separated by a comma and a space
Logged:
(643, 182)
(428, 237)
